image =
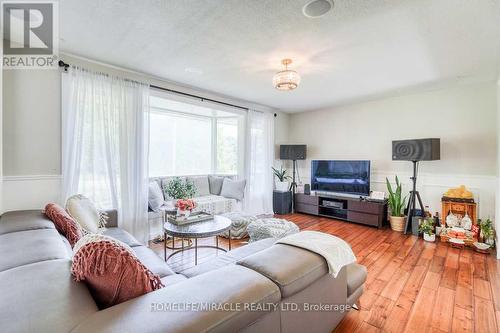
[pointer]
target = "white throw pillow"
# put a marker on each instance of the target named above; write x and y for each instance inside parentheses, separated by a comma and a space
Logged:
(201, 185)
(155, 196)
(83, 210)
(233, 189)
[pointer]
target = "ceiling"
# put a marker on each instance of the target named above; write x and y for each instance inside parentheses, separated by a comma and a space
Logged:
(360, 50)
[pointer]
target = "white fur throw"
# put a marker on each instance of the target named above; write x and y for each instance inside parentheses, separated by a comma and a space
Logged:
(336, 251)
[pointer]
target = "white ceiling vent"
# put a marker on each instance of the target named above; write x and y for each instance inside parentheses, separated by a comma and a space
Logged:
(317, 8)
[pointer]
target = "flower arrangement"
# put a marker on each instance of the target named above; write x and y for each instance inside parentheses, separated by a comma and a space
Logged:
(185, 204)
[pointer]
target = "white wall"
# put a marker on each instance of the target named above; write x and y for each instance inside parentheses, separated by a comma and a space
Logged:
(464, 117)
(32, 130)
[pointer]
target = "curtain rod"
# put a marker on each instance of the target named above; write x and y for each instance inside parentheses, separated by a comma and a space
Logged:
(66, 65)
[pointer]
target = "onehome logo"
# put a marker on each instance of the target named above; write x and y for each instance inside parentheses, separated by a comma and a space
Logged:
(30, 34)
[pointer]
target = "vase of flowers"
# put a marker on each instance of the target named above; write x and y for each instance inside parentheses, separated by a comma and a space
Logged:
(184, 207)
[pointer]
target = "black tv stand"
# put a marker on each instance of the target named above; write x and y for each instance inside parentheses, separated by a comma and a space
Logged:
(342, 208)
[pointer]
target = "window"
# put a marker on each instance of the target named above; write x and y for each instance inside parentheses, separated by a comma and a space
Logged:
(227, 146)
(187, 139)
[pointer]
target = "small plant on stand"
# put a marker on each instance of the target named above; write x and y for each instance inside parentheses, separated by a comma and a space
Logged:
(427, 228)
(281, 185)
(396, 205)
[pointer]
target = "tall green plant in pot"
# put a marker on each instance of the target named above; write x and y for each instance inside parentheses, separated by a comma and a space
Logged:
(282, 183)
(396, 206)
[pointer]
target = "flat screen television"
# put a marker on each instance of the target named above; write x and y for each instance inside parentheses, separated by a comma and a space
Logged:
(349, 177)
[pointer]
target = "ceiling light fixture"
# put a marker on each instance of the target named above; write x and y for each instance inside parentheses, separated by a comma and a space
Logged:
(286, 79)
(317, 8)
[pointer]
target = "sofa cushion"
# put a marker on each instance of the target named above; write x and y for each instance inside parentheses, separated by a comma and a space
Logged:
(152, 261)
(215, 184)
(22, 220)
(233, 189)
(111, 271)
(214, 204)
(201, 185)
(27, 247)
(43, 297)
(229, 258)
(171, 279)
(122, 236)
(233, 285)
(155, 196)
(290, 267)
(356, 277)
(64, 223)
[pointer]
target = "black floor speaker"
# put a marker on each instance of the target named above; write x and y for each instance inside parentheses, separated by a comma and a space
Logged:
(282, 202)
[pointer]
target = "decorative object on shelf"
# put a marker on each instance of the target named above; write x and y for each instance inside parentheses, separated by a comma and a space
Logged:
(179, 188)
(460, 194)
(184, 207)
(427, 228)
(396, 205)
(482, 247)
(282, 185)
(466, 222)
(377, 195)
(451, 220)
(487, 232)
(286, 79)
(457, 243)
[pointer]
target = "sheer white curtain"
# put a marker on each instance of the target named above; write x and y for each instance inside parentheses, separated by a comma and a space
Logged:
(105, 127)
(259, 156)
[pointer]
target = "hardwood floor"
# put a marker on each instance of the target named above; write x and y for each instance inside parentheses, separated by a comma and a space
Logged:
(412, 285)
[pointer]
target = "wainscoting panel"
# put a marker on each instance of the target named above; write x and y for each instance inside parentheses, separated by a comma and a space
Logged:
(31, 191)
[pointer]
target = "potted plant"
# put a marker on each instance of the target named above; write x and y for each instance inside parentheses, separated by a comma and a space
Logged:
(281, 184)
(427, 228)
(396, 206)
(487, 232)
(178, 188)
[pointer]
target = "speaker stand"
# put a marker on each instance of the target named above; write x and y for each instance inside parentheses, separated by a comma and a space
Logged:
(293, 186)
(413, 198)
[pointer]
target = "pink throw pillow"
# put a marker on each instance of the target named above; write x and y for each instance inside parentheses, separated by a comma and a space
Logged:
(64, 223)
(111, 270)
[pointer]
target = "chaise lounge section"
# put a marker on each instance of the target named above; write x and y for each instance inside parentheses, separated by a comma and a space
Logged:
(255, 282)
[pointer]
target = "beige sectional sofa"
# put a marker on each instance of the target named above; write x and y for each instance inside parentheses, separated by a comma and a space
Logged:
(256, 283)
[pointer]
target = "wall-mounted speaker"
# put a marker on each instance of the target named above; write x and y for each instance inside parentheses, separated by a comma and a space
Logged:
(416, 150)
(293, 152)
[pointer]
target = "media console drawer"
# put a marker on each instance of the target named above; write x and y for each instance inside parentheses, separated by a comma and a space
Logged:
(363, 218)
(306, 199)
(365, 207)
(306, 208)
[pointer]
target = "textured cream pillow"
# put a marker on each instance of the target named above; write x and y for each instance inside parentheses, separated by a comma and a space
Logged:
(83, 210)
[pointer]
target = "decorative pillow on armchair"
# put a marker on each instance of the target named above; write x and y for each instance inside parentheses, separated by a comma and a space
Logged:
(111, 270)
(233, 189)
(64, 223)
(83, 210)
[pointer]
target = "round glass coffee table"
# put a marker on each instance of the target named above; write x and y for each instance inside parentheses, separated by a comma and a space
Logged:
(203, 229)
